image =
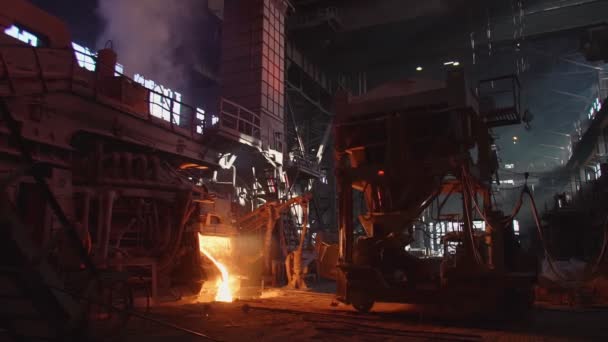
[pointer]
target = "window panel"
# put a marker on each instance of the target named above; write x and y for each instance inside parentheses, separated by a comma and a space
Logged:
(22, 35)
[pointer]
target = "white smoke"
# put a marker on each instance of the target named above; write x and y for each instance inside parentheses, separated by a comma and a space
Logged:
(150, 35)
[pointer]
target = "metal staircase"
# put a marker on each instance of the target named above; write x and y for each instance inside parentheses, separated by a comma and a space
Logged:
(257, 220)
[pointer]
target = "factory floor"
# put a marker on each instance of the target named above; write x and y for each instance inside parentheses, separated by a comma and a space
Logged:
(287, 315)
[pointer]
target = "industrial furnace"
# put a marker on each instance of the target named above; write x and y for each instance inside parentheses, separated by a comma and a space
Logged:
(105, 180)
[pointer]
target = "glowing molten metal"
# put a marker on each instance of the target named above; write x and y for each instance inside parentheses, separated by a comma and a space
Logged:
(224, 292)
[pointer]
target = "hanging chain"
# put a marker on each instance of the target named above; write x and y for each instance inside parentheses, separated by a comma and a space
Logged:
(489, 33)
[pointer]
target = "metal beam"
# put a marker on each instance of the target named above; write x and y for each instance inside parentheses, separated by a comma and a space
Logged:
(356, 15)
(291, 87)
(554, 16)
(376, 47)
(562, 58)
(295, 125)
(572, 95)
(293, 55)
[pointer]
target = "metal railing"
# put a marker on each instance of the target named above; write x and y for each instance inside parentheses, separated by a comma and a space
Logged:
(238, 119)
(309, 163)
(329, 14)
(500, 100)
(46, 70)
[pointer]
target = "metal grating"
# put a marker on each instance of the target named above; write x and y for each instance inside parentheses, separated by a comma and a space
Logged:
(500, 101)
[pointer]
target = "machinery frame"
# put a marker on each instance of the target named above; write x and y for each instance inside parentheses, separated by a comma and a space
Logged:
(402, 146)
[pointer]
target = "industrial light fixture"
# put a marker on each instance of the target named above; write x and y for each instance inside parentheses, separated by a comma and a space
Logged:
(419, 68)
(456, 63)
(448, 63)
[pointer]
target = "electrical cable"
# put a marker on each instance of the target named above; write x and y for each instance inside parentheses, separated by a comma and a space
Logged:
(516, 210)
(548, 257)
(475, 204)
(600, 256)
(517, 207)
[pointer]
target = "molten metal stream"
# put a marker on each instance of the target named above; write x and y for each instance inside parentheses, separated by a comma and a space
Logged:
(224, 293)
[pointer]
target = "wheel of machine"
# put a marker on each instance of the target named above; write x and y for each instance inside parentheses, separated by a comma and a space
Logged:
(361, 302)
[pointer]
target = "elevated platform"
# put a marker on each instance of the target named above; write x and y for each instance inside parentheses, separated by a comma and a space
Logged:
(55, 99)
(115, 107)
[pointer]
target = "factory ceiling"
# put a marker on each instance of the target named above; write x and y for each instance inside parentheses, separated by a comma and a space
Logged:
(389, 40)
(368, 34)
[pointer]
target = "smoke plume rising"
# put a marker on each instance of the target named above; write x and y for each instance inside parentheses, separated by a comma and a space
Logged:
(152, 37)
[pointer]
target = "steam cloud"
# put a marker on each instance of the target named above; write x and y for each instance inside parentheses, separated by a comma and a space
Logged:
(152, 37)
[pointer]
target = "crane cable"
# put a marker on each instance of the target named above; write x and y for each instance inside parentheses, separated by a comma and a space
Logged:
(470, 234)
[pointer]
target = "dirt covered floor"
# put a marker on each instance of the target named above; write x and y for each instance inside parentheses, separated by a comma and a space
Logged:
(288, 316)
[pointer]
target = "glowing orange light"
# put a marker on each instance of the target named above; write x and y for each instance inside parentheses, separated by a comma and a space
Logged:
(192, 166)
(224, 290)
(380, 172)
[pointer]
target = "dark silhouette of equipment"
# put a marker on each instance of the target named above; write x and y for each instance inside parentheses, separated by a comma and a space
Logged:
(401, 146)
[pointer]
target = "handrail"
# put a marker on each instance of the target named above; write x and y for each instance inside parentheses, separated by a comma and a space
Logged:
(232, 116)
(38, 69)
(243, 121)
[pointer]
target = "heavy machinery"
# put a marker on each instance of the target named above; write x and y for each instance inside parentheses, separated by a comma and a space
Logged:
(93, 201)
(103, 182)
(402, 146)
